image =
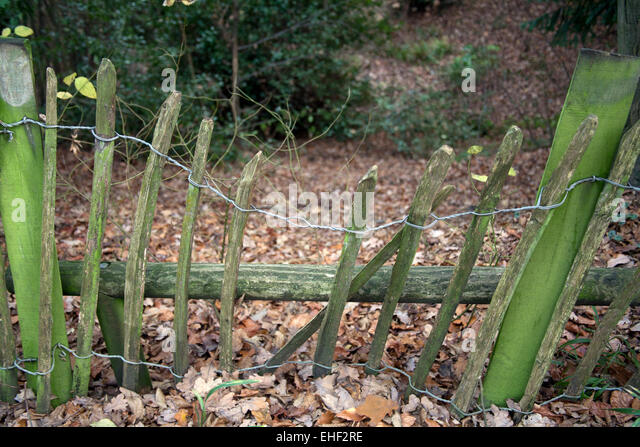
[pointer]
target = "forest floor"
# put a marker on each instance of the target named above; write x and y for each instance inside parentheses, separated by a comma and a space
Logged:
(534, 82)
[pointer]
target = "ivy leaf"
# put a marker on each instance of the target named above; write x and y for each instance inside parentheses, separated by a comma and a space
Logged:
(69, 79)
(474, 150)
(480, 178)
(85, 87)
(23, 31)
(64, 95)
(6, 32)
(512, 172)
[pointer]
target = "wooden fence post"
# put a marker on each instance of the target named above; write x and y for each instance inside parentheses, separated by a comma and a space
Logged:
(620, 172)
(134, 281)
(181, 355)
(553, 192)
(427, 189)
(601, 337)
(21, 177)
(102, 165)
(43, 401)
(9, 376)
(358, 281)
(232, 260)
(474, 239)
(328, 335)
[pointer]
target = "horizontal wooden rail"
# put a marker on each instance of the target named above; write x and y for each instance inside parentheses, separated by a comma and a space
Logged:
(289, 282)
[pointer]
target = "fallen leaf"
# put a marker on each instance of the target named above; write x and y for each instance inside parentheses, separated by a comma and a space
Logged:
(618, 260)
(376, 408)
(181, 417)
(351, 414)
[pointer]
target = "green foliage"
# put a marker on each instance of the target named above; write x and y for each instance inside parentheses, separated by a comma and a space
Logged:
(480, 58)
(201, 413)
(289, 57)
(575, 20)
(419, 122)
(427, 51)
(635, 392)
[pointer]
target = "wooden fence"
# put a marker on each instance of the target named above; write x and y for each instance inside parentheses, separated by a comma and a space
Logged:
(114, 291)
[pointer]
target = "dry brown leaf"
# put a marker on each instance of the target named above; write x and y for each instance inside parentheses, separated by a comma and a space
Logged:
(181, 417)
(376, 408)
(351, 414)
(326, 418)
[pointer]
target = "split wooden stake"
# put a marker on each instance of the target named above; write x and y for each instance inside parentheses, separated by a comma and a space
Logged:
(181, 356)
(422, 202)
(136, 262)
(552, 193)
(232, 260)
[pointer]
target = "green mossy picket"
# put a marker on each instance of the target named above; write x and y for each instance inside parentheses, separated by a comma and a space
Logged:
(21, 180)
(603, 84)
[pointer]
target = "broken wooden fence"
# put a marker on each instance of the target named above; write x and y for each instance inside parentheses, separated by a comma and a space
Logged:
(114, 291)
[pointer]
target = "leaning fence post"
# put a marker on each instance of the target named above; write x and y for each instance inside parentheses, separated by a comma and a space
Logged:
(474, 239)
(136, 262)
(21, 180)
(8, 373)
(358, 281)
(328, 335)
(103, 161)
(181, 356)
(601, 337)
(620, 172)
(43, 401)
(431, 180)
(232, 260)
(551, 194)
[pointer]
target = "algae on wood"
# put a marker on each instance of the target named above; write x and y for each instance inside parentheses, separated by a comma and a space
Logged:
(429, 185)
(539, 220)
(102, 164)
(358, 281)
(328, 335)
(604, 85)
(21, 180)
(181, 355)
(134, 281)
(284, 282)
(43, 394)
(232, 260)
(8, 376)
(474, 239)
(627, 153)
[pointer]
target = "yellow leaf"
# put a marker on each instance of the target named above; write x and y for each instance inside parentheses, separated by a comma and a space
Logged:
(480, 178)
(64, 95)
(69, 79)
(181, 417)
(168, 2)
(85, 87)
(474, 150)
(188, 2)
(6, 32)
(512, 172)
(104, 423)
(23, 31)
